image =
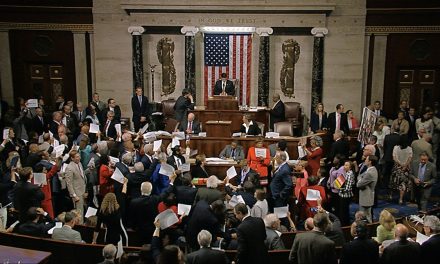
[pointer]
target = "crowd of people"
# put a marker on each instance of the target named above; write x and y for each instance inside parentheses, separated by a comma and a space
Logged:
(57, 166)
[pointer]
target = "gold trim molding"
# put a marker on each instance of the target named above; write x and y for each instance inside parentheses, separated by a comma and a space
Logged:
(76, 28)
(401, 29)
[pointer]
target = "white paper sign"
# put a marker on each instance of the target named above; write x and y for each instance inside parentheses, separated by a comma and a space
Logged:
(183, 209)
(281, 212)
(57, 225)
(260, 152)
(202, 134)
(301, 152)
(6, 134)
(236, 199)
(118, 131)
(175, 142)
(94, 129)
(157, 144)
(237, 134)
(150, 136)
(184, 167)
(231, 172)
(313, 195)
(91, 212)
(179, 135)
(113, 159)
(162, 133)
(63, 167)
(59, 150)
(166, 169)
(118, 176)
(32, 103)
(4, 216)
(91, 163)
(56, 143)
(40, 178)
(421, 238)
(167, 218)
(272, 135)
(143, 129)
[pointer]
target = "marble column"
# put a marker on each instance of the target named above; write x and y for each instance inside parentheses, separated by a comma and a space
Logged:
(378, 74)
(318, 65)
(190, 58)
(79, 42)
(7, 92)
(263, 66)
(138, 72)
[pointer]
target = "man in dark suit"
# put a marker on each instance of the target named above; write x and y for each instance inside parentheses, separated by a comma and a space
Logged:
(232, 151)
(26, 194)
(135, 179)
(338, 120)
(389, 142)
(190, 125)
(112, 107)
(70, 121)
(39, 122)
(54, 123)
(277, 113)
(36, 223)
(340, 146)
(403, 250)
(185, 193)
(361, 249)
(281, 184)
(140, 108)
(430, 248)
(423, 174)
(224, 86)
(377, 109)
(273, 240)
(143, 211)
(184, 103)
(206, 254)
(210, 192)
(412, 117)
(251, 234)
(323, 248)
(3, 110)
(109, 129)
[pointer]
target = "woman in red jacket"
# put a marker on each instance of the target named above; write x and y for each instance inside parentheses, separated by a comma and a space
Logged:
(314, 155)
(259, 161)
(105, 174)
(46, 204)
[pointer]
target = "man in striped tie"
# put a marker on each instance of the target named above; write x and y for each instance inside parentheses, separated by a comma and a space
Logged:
(224, 86)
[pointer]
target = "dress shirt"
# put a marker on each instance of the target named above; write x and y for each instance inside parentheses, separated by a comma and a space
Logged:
(422, 168)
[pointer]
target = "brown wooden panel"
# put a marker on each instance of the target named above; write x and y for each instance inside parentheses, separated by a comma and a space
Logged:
(427, 76)
(222, 103)
(406, 76)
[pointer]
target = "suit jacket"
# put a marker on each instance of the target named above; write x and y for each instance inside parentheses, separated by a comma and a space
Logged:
(314, 121)
(111, 131)
(341, 147)
(138, 109)
(117, 111)
(34, 229)
(281, 184)
(430, 249)
(207, 256)
(251, 234)
(401, 252)
(389, 142)
(83, 115)
(184, 194)
(430, 172)
(229, 88)
(142, 211)
(331, 122)
(39, 126)
(181, 108)
(420, 145)
(362, 251)
(53, 127)
(75, 180)
(366, 183)
(312, 248)
(195, 128)
(403, 128)
(227, 153)
(198, 172)
(277, 113)
(172, 161)
(208, 194)
(66, 233)
(26, 195)
(412, 133)
(135, 180)
(273, 240)
(253, 130)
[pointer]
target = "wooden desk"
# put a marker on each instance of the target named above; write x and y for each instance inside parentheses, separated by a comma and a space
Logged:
(14, 255)
(218, 128)
(235, 116)
(218, 102)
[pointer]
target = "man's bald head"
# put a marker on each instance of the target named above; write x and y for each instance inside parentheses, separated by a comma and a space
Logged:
(308, 224)
(401, 232)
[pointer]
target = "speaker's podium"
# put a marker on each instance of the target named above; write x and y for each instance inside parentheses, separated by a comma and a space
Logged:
(222, 102)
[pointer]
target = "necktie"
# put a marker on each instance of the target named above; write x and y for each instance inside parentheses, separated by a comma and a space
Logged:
(233, 153)
(106, 126)
(41, 120)
(189, 126)
(80, 116)
(422, 172)
(80, 170)
(140, 100)
(223, 86)
(338, 122)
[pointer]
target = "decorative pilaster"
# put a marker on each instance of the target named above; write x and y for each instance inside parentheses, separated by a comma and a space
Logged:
(263, 66)
(138, 74)
(318, 65)
(190, 58)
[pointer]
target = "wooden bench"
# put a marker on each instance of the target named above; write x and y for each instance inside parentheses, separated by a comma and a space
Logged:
(62, 251)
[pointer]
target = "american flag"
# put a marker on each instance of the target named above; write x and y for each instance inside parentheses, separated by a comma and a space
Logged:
(230, 54)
